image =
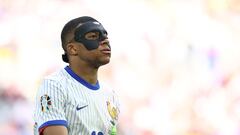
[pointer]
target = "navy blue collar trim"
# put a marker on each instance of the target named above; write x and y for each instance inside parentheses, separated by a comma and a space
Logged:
(79, 79)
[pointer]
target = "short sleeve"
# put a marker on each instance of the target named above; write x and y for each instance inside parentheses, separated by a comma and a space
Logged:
(49, 105)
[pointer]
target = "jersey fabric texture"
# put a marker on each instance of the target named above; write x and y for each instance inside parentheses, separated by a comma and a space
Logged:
(66, 99)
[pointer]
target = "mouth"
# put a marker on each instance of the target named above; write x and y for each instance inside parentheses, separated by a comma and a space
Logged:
(106, 51)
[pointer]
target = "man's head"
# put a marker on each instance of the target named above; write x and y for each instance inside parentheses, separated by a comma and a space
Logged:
(85, 31)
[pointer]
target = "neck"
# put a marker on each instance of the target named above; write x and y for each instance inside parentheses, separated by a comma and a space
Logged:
(89, 74)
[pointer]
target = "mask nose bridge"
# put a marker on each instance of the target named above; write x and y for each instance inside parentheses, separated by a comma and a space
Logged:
(103, 36)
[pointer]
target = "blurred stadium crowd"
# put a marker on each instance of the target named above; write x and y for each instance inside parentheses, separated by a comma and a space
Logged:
(175, 63)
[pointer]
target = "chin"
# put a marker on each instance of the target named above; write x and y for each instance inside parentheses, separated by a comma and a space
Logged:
(102, 61)
(105, 61)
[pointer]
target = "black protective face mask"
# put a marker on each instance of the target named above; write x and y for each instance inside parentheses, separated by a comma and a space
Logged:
(82, 29)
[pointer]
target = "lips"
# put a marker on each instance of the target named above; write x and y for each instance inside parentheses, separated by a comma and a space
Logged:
(106, 51)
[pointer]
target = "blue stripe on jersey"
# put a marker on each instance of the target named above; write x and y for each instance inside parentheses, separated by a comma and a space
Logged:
(79, 79)
(54, 123)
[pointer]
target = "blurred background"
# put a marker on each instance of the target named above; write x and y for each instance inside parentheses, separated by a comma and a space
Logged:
(175, 63)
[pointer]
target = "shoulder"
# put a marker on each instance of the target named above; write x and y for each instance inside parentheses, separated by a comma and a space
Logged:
(109, 89)
(52, 86)
(106, 87)
(56, 76)
(53, 81)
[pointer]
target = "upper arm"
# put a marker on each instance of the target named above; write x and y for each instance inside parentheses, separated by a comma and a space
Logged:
(49, 108)
(55, 130)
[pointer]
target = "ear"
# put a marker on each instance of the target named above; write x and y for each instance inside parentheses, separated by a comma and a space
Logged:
(72, 49)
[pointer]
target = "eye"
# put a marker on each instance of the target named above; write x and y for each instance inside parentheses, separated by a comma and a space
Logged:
(105, 33)
(92, 35)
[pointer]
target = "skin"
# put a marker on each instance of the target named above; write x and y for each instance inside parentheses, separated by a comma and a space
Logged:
(55, 130)
(84, 63)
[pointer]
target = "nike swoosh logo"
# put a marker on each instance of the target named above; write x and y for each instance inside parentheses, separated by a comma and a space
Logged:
(79, 108)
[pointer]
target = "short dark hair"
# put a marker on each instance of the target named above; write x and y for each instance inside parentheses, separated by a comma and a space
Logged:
(69, 29)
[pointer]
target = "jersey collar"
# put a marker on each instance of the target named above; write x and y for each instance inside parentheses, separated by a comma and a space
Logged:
(81, 80)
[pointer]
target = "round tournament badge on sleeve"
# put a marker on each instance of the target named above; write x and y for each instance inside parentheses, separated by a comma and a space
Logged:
(46, 102)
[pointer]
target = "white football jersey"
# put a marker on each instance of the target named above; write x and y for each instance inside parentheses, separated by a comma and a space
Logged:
(66, 99)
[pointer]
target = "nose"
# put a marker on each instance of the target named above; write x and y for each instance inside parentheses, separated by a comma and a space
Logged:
(105, 41)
